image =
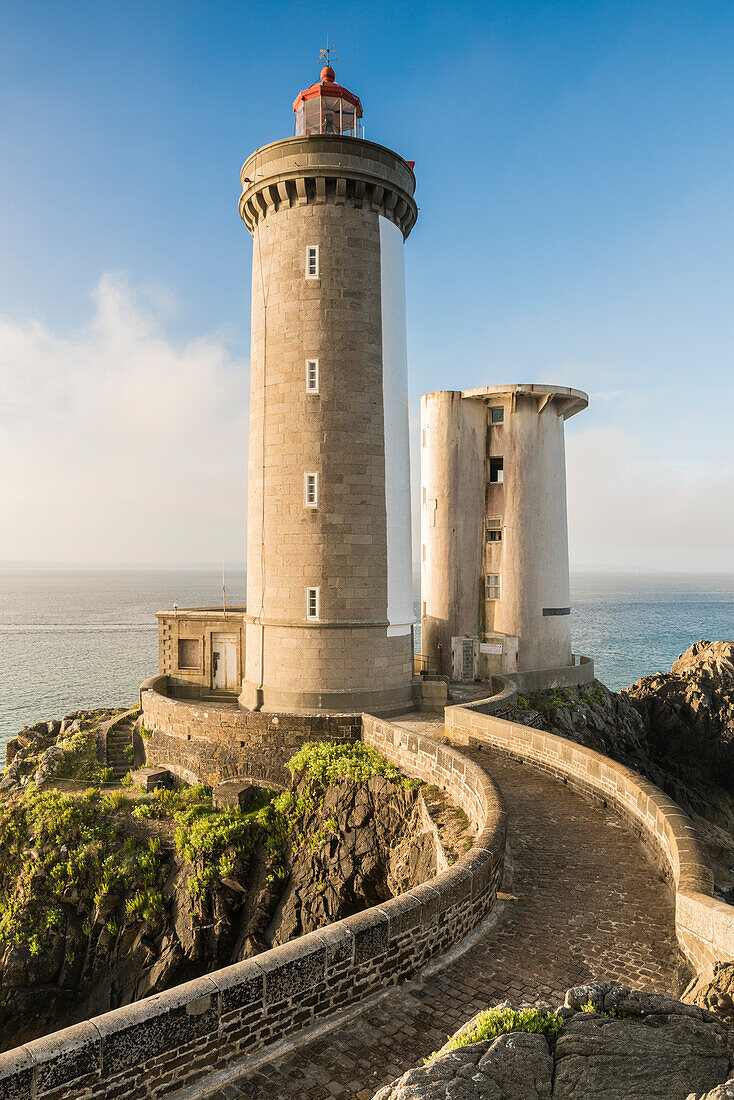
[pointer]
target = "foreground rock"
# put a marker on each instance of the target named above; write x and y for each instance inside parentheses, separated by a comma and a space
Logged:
(614, 1044)
(715, 992)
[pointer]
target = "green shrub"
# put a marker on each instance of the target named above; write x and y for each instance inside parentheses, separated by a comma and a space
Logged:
(322, 834)
(613, 1014)
(77, 845)
(497, 1021)
(328, 763)
(80, 758)
(548, 701)
(144, 905)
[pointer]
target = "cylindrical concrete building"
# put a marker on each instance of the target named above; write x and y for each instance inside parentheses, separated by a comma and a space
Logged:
(329, 605)
(494, 569)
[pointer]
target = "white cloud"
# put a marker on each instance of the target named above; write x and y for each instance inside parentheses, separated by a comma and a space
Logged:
(119, 443)
(636, 503)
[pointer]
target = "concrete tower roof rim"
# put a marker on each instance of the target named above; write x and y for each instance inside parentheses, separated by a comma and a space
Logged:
(317, 138)
(530, 389)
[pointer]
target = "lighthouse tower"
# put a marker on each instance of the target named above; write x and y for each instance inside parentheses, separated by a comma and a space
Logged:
(329, 605)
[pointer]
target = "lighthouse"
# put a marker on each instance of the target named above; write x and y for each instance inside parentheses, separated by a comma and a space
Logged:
(329, 612)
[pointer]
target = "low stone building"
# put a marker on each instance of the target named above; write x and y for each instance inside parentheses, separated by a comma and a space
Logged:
(202, 651)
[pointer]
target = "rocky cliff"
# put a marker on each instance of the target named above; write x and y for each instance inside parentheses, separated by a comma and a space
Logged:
(107, 896)
(604, 1043)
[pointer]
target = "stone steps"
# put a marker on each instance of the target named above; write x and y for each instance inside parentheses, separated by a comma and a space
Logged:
(119, 739)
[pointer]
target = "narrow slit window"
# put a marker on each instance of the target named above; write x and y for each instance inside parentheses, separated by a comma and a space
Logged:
(311, 490)
(312, 376)
(492, 586)
(312, 603)
(493, 528)
(312, 261)
(496, 471)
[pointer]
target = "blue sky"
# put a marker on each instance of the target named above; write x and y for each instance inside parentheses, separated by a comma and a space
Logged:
(575, 164)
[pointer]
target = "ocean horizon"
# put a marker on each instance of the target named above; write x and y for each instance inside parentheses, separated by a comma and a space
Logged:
(73, 638)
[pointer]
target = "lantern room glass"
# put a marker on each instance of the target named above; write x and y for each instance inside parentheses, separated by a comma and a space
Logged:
(328, 115)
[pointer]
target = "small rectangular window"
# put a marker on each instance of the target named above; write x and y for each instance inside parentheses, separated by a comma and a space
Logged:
(498, 415)
(312, 603)
(493, 528)
(311, 490)
(312, 376)
(189, 651)
(496, 471)
(492, 586)
(312, 261)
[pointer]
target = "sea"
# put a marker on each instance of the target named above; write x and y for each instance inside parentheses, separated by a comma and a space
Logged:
(72, 639)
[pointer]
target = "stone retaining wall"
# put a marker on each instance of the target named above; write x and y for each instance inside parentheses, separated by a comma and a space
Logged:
(145, 1050)
(578, 674)
(206, 743)
(704, 925)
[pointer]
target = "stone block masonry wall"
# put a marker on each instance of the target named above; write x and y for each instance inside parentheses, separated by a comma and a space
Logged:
(206, 744)
(148, 1049)
(704, 925)
(335, 195)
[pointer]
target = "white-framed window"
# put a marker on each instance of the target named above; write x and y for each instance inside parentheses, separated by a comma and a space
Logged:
(493, 528)
(311, 490)
(497, 415)
(312, 603)
(496, 470)
(312, 376)
(492, 586)
(312, 261)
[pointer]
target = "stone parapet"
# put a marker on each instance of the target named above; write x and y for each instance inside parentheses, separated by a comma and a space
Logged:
(321, 169)
(165, 1042)
(704, 925)
(206, 743)
(578, 674)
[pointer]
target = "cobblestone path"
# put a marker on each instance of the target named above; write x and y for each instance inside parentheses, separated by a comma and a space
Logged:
(584, 903)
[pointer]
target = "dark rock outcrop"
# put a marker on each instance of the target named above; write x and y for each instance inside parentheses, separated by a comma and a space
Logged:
(378, 849)
(615, 1044)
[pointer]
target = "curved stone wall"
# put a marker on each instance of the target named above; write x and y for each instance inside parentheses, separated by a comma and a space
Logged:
(145, 1050)
(205, 743)
(704, 925)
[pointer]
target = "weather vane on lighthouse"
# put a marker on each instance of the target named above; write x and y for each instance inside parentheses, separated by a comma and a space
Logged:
(325, 55)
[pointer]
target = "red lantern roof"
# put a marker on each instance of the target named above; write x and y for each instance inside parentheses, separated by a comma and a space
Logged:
(327, 87)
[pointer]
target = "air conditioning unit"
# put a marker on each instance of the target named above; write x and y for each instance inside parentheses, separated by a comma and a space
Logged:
(464, 658)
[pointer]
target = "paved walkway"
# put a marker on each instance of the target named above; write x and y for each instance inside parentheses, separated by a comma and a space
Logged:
(584, 903)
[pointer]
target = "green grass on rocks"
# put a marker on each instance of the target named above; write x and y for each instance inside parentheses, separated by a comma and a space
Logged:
(327, 763)
(494, 1022)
